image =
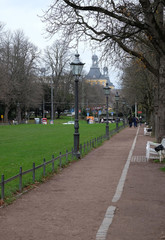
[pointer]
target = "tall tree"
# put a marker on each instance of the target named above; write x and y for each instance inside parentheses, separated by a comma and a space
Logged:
(122, 25)
(138, 86)
(18, 79)
(4, 81)
(57, 58)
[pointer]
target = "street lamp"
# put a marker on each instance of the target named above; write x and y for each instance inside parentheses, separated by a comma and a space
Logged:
(107, 93)
(52, 115)
(43, 71)
(76, 67)
(117, 108)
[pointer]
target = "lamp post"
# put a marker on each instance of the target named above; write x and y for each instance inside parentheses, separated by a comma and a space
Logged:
(76, 67)
(117, 108)
(43, 71)
(107, 92)
(52, 115)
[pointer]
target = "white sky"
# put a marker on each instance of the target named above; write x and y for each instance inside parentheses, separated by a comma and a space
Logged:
(23, 14)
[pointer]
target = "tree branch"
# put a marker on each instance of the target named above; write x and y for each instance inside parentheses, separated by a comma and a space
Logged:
(106, 12)
(140, 56)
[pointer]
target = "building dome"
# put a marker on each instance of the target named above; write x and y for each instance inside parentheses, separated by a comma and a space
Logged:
(95, 76)
(94, 61)
(95, 57)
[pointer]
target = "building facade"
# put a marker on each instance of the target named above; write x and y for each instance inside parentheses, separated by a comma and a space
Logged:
(96, 77)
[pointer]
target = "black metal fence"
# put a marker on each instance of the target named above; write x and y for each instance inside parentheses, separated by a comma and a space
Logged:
(61, 160)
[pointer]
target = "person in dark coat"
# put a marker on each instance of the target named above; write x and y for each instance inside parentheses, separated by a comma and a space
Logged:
(130, 120)
(135, 121)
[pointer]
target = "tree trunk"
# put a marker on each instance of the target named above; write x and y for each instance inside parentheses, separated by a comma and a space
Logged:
(161, 105)
(155, 130)
(6, 114)
(156, 108)
(148, 117)
(18, 117)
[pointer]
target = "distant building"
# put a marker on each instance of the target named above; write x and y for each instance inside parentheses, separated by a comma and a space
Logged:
(95, 76)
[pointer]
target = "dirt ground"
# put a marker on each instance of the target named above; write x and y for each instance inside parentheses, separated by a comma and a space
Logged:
(72, 204)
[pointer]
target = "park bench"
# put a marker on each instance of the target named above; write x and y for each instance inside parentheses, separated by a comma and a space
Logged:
(147, 131)
(151, 153)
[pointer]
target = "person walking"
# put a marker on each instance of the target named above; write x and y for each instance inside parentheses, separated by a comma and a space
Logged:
(135, 121)
(140, 120)
(130, 121)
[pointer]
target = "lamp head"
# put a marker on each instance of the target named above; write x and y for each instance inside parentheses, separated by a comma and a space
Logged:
(106, 89)
(76, 66)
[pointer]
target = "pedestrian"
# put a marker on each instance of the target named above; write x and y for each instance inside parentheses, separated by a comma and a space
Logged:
(130, 121)
(140, 120)
(135, 121)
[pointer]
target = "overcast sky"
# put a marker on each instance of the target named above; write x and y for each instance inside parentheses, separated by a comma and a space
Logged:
(23, 14)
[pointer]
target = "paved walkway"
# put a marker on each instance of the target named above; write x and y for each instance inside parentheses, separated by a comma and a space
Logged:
(110, 194)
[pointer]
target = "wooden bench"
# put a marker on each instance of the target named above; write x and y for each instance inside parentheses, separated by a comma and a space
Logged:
(151, 153)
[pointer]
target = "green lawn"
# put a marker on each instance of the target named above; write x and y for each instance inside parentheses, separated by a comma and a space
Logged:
(21, 145)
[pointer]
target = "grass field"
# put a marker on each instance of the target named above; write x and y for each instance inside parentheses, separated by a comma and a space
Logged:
(21, 145)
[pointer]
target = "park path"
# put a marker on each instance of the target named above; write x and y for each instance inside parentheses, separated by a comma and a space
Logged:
(72, 205)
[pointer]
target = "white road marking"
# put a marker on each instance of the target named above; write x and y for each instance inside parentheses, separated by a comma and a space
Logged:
(108, 218)
(120, 186)
(102, 232)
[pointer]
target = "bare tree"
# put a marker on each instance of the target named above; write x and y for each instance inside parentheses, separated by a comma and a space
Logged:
(5, 76)
(57, 58)
(138, 86)
(18, 78)
(119, 25)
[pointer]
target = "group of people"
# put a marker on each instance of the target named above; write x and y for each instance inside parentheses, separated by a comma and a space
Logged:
(133, 120)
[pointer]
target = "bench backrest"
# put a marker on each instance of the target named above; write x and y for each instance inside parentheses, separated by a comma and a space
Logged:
(163, 142)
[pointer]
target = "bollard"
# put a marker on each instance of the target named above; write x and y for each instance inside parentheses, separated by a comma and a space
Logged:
(33, 172)
(2, 187)
(60, 160)
(66, 156)
(44, 167)
(52, 163)
(20, 179)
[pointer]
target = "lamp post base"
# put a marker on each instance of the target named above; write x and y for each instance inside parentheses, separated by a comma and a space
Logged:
(77, 155)
(107, 131)
(76, 145)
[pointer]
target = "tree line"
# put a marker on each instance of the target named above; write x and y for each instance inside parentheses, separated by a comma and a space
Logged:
(27, 77)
